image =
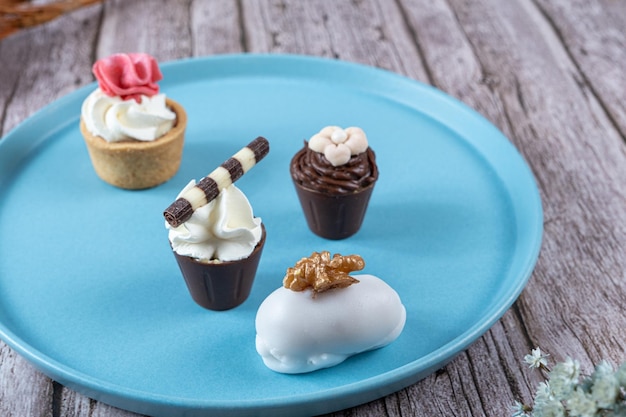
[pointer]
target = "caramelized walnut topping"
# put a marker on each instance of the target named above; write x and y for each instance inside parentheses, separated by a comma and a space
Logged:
(321, 273)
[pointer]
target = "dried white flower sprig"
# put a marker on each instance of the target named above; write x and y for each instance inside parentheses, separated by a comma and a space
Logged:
(568, 393)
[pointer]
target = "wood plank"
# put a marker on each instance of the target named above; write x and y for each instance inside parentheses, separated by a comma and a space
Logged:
(594, 36)
(71, 404)
(40, 65)
(175, 31)
(369, 32)
(216, 28)
(451, 60)
(164, 32)
(23, 390)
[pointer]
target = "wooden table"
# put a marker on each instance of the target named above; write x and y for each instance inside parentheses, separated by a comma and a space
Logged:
(551, 74)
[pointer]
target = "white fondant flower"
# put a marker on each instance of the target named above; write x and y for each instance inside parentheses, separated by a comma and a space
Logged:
(338, 144)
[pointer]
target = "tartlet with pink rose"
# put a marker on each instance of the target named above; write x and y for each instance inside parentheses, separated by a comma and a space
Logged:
(134, 133)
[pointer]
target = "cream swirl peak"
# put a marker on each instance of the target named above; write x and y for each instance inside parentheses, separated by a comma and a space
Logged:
(127, 104)
(210, 186)
(338, 144)
(225, 229)
(114, 119)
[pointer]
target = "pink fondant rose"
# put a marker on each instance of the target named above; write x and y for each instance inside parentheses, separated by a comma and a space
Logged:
(128, 75)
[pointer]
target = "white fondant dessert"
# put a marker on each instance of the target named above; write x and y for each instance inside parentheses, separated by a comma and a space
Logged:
(305, 326)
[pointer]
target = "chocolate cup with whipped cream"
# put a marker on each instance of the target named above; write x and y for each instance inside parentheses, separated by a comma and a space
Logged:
(135, 164)
(334, 199)
(221, 285)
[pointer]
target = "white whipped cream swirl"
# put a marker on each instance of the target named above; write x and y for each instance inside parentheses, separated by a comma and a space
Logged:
(115, 119)
(223, 230)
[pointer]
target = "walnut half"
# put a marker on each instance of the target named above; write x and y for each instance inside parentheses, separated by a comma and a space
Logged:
(320, 272)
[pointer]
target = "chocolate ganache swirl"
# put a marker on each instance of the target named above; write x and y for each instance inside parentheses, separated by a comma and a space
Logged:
(313, 171)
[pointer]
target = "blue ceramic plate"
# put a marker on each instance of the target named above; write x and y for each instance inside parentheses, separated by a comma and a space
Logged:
(92, 296)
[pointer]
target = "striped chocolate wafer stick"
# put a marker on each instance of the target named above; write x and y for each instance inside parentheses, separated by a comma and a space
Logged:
(210, 186)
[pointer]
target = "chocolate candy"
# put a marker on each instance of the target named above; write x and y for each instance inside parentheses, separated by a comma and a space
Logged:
(221, 285)
(209, 187)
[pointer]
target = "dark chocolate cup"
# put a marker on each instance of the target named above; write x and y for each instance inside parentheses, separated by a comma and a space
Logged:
(334, 216)
(220, 285)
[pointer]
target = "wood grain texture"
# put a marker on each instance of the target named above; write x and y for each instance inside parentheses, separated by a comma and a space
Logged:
(23, 390)
(367, 32)
(42, 64)
(164, 32)
(216, 28)
(592, 34)
(549, 73)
